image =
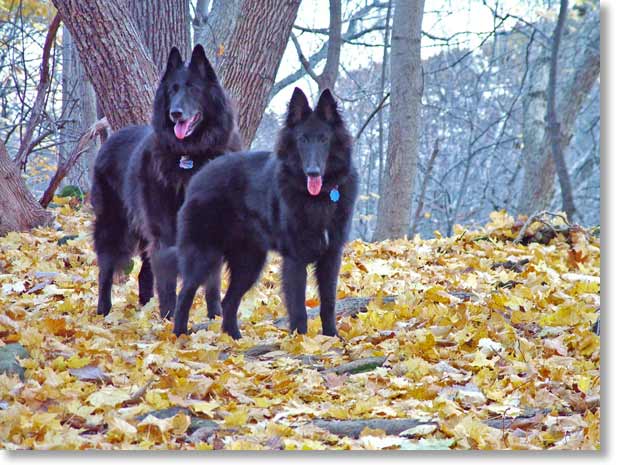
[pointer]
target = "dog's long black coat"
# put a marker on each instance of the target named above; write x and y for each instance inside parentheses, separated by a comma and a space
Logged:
(139, 185)
(242, 205)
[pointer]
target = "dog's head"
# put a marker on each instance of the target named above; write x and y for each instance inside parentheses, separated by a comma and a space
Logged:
(188, 95)
(314, 142)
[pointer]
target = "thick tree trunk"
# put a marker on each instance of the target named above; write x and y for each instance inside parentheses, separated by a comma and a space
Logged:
(115, 59)
(539, 173)
(253, 57)
(213, 29)
(539, 176)
(162, 24)
(19, 211)
(395, 204)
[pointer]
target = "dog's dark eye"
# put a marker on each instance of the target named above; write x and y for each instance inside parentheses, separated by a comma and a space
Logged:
(188, 85)
(322, 138)
(175, 88)
(304, 139)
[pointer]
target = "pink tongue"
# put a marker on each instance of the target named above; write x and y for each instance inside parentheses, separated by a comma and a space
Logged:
(314, 184)
(181, 127)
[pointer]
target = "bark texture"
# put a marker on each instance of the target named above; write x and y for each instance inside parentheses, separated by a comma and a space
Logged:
(19, 210)
(115, 59)
(253, 57)
(395, 204)
(213, 29)
(162, 24)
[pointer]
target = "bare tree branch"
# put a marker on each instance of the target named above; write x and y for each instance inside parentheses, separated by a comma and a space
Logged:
(39, 104)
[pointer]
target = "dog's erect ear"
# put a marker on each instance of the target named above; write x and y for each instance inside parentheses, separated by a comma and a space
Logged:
(298, 108)
(327, 107)
(175, 61)
(200, 64)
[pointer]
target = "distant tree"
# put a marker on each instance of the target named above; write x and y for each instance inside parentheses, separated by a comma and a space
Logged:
(327, 78)
(79, 108)
(579, 76)
(395, 204)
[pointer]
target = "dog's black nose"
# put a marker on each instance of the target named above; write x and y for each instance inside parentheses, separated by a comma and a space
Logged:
(176, 115)
(313, 171)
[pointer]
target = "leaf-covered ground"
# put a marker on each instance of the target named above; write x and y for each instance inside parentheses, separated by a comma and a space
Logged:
(485, 345)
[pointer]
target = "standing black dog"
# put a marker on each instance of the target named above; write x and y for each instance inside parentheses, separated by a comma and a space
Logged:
(141, 173)
(298, 201)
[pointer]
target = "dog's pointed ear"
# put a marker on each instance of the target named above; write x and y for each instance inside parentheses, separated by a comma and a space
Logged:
(175, 61)
(298, 108)
(327, 107)
(200, 64)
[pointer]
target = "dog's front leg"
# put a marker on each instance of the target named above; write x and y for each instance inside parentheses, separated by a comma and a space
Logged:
(294, 282)
(326, 271)
(164, 261)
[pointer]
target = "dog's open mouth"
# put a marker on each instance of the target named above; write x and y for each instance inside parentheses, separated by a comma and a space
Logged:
(314, 184)
(184, 128)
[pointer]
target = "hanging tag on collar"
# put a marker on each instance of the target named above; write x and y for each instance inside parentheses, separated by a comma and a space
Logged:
(186, 163)
(334, 194)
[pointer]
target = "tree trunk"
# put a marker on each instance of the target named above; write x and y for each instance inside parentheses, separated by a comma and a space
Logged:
(253, 57)
(115, 59)
(19, 211)
(162, 24)
(327, 79)
(213, 29)
(539, 177)
(427, 177)
(395, 204)
(80, 109)
(554, 130)
(539, 173)
(386, 46)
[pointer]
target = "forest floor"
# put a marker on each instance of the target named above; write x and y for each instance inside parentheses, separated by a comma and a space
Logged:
(467, 342)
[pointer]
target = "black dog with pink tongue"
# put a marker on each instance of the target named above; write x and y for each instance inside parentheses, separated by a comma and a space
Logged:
(141, 173)
(298, 201)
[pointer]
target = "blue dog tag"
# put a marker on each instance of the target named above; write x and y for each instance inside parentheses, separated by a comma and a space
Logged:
(186, 163)
(334, 195)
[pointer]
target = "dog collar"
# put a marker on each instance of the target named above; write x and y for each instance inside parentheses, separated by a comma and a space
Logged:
(186, 163)
(334, 194)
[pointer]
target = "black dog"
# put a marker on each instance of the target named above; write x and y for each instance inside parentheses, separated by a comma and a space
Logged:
(141, 173)
(298, 201)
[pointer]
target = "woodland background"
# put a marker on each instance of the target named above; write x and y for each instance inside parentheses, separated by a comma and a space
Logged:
(497, 108)
(464, 335)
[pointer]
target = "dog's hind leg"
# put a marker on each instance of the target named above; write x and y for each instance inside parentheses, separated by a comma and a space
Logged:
(145, 279)
(164, 261)
(294, 277)
(212, 291)
(245, 267)
(111, 248)
(107, 264)
(326, 272)
(194, 267)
